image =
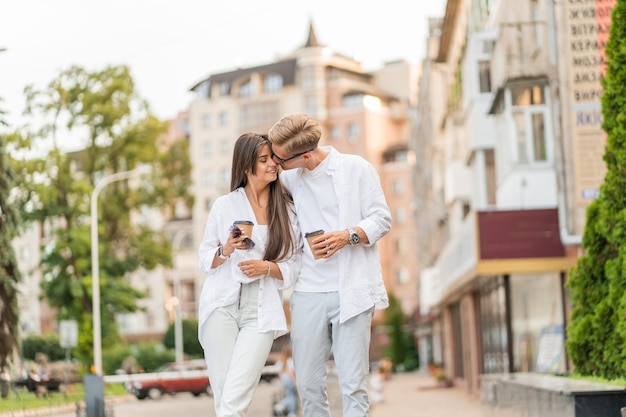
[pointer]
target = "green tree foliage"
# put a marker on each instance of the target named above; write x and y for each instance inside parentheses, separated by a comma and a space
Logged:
(401, 349)
(191, 344)
(597, 331)
(101, 114)
(9, 272)
(394, 320)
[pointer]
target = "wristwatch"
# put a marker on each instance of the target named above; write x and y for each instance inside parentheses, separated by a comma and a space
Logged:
(354, 237)
(220, 253)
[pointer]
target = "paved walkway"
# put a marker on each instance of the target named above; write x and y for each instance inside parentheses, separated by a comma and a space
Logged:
(415, 394)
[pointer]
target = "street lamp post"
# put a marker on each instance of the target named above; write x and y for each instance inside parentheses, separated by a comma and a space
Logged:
(178, 327)
(95, 267)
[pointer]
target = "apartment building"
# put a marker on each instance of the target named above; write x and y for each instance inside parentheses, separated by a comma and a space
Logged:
(364, 113)
(519, 151)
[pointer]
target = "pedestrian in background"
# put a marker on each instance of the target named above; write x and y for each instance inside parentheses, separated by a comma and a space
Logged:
(288, 404)
(340, 284)
(241, 305)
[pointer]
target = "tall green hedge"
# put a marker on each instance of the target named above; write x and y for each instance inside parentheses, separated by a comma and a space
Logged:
(597, 331)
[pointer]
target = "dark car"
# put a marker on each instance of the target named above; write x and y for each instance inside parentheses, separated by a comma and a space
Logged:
(172, 378)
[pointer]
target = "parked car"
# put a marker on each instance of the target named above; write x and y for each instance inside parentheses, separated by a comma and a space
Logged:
(172, 378)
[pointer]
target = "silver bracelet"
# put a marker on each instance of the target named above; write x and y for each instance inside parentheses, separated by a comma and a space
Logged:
(268, 269)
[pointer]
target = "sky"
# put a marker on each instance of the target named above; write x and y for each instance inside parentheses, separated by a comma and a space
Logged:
(170, 45)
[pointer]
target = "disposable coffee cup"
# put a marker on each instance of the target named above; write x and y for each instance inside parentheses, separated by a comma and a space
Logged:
(245, 226)
(309, 238)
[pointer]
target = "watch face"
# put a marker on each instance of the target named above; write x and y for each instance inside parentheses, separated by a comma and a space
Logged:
(354, 238)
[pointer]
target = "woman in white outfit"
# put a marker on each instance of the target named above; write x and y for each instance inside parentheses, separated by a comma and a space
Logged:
(241, 306)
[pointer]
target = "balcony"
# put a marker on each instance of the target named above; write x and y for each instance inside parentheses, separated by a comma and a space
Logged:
(496, 243)
(520, 53)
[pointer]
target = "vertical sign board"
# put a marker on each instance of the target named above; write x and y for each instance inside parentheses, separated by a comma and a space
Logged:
(549, 350)
(68, 333)
(587, 27)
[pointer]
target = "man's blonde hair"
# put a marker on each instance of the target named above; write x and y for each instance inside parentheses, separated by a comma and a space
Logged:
(296, 132)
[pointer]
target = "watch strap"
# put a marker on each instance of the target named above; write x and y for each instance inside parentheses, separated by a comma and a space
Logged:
(354, 237)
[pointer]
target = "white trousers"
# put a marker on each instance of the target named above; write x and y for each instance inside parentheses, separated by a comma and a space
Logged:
(235, 352)
(315, 332)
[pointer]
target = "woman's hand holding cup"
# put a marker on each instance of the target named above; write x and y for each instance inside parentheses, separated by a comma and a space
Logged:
(235, 241)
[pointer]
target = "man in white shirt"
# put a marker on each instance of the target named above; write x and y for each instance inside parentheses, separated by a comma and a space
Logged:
(336, 294)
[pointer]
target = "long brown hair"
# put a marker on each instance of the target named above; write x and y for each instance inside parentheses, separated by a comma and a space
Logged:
(280, 242)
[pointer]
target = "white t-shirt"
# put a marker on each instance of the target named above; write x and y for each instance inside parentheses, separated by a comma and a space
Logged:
(321, 275)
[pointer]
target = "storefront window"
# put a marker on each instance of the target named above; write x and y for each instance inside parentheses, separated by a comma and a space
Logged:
(493, 317)
(536, 310)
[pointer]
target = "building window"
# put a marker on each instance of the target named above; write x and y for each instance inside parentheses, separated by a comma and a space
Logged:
(246, 90)
(400, 246)
(539, 137)
(353, 132)
(223, 118)
(520, 135)
(530, 136)
(402, 275)
(257, 116)
(527, 95)
(400, 216)
(335, 132)
(208, 177)
(207, 148)
(224, 176)
(224, 89)
(530, 117)
(310, 105)
(206, 120)
(180, 209)
(353, 100)
(484, 76)
(495, 330)
(202, 91)
(225, 146)
(397, 186)
(308, 77)
(273, 84)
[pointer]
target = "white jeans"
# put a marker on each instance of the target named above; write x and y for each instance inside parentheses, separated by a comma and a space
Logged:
(315, 331)
(235, 352)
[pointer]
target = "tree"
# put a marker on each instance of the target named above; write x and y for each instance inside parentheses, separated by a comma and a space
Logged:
(597, 331)
(9, 272)
(101, 114)
(191, 345)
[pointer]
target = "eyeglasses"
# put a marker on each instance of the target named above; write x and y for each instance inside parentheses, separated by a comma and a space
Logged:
(282, 161)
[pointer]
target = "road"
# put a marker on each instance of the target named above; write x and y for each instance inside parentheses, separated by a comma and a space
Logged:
(202, 406)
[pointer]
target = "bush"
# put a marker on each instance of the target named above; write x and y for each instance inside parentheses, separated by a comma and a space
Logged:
(151, 356)
(46, 344)
(114, 357)
(191, 344)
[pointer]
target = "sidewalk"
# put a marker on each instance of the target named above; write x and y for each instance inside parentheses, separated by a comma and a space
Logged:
(415, 394)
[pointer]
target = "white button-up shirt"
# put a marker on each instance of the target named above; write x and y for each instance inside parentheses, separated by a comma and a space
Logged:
(221, 286)
(361, 202)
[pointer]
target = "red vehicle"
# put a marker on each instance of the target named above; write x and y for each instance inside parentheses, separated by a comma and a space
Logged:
(172, 378)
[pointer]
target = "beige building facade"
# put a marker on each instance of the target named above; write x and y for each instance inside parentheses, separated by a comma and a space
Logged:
(518, 148)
